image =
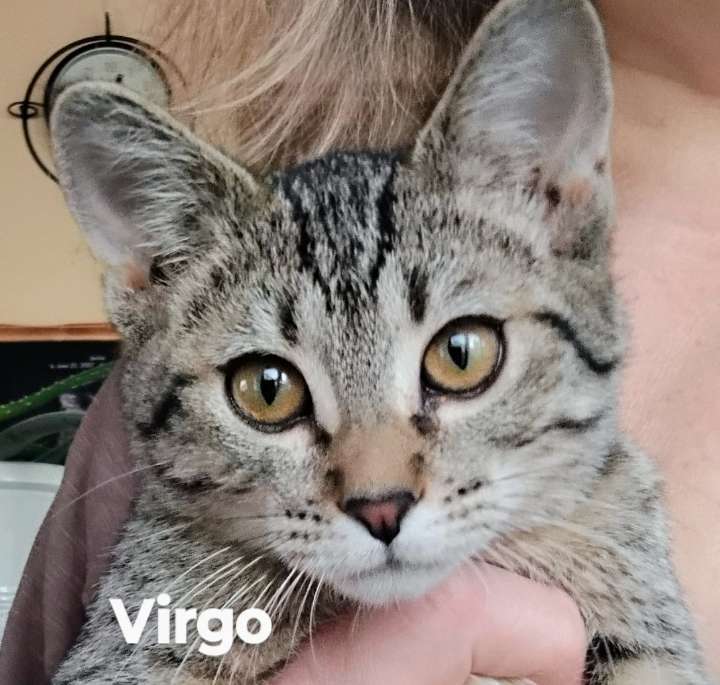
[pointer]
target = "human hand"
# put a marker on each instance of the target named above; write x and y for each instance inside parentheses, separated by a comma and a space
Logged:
(481, 621)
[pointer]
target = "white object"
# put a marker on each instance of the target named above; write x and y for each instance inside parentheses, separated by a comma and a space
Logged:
(114, 64)
(26, 492)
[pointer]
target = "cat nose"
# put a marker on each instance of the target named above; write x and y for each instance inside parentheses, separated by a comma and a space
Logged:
(381, 516)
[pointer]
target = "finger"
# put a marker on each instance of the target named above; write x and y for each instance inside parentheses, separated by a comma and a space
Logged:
(521, 629)
(483, 620)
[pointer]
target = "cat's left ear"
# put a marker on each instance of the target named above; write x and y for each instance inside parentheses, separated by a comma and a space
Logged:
(529, 105)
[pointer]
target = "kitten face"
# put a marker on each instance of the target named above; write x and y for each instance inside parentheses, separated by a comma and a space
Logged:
(366, 283)
(513, 456)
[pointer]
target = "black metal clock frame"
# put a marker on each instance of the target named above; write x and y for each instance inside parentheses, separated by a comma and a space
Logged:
(27, 109)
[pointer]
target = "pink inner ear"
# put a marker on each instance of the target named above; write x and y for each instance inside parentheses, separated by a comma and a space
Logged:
(135, 277)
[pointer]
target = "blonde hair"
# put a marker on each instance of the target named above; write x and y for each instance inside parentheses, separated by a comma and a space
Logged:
(274, 82)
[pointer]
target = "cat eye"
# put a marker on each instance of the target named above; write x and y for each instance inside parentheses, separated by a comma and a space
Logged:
(268, 391)
(464, 357)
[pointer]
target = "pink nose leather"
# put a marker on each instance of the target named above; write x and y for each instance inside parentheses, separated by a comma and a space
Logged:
(381, 516)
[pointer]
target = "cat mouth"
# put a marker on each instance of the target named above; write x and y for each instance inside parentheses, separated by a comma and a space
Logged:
(394, 566)
(392, 580)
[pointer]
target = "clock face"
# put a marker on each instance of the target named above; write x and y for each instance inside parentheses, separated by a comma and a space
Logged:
(116, 65)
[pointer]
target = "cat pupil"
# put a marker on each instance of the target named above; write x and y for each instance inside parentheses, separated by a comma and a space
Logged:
(458, 350)
(270, 384)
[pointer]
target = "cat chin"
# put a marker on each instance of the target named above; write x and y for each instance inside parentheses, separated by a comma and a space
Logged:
(389, 585)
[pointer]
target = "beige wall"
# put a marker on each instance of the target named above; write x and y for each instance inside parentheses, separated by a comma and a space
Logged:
(47, 275)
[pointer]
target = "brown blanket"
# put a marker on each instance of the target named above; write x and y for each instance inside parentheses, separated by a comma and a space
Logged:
(72, 548)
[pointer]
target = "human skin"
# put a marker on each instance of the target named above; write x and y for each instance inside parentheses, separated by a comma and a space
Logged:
(485, 621)
(666, 163)
(667, 251)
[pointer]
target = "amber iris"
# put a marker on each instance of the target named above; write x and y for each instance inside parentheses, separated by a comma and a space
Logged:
(268, 390)
(463, 357)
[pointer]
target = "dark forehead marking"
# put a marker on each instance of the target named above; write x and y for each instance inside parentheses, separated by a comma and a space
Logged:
(306, 244)
(385, 208)
(343, 207)
(288, 323)
(417, 293)
(335, 164)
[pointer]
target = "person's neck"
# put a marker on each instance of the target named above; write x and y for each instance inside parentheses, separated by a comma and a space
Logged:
(666, 133)
(674, 39)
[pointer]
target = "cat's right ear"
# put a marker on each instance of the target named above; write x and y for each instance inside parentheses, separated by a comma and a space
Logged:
(144, 189)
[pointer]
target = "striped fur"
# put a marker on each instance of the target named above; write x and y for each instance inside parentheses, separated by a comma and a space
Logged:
(347, 266)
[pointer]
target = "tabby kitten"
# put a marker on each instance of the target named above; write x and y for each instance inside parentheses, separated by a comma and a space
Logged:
(347, 379)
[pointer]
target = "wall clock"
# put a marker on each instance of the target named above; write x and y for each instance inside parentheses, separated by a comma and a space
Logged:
(106, 57)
